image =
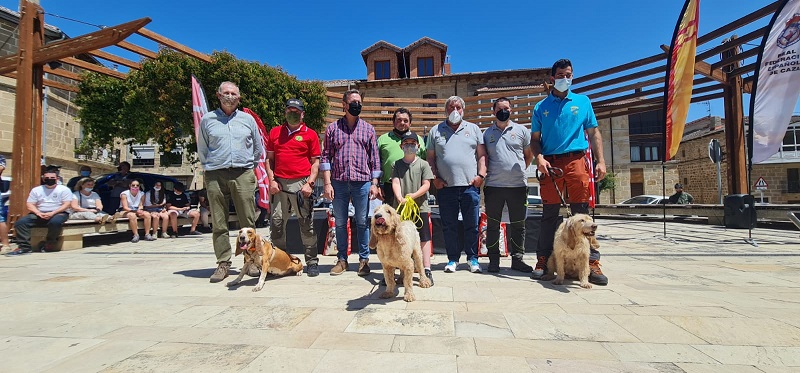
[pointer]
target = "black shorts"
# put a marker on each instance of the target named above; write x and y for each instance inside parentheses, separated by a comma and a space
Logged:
(425, 232)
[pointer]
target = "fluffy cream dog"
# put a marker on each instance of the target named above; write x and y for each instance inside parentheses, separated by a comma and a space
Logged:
(571, 246)
(397, 243)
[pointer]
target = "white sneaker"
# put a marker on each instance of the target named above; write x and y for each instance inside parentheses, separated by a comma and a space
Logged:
(450, 267)
(149, 237)
(474, 267)
(135, 238)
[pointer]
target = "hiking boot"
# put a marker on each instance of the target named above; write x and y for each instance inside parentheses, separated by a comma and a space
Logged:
(313, 270)
(450, 267)
(363, 267)
(494, 264)
(518, 264)
(339, 268)
(596, 275)
(541, 268)
(429, 275)
(222, 271)
(474, 267)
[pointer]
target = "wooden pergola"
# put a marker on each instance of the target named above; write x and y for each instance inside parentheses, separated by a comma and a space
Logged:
(29, 65)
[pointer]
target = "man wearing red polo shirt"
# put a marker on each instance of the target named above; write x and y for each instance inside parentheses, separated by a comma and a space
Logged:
(293, 153)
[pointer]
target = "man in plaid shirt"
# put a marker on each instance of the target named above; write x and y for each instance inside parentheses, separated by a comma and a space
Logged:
(351, 169)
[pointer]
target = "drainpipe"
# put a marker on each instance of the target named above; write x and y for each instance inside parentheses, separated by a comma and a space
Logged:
(44, 122)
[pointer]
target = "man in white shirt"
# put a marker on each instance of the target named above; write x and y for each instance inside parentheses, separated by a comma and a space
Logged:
(48, 206)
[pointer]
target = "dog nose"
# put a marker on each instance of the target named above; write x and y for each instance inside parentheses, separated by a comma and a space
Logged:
(377, 216)
(594, 226)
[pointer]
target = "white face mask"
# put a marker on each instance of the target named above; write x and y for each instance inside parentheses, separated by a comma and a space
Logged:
(562, 85)
(87, 190)
(454, 117)
(410, 149)
(156, 188)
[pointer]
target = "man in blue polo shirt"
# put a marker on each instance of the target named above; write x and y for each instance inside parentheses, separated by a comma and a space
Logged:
(559, 126)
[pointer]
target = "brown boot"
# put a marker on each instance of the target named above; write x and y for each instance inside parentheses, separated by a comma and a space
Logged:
(596, 275)
(339, 268)
(222, 271)
(363, 267)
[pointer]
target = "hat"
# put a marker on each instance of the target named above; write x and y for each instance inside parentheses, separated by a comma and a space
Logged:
(295, 103)
(678, 186)
(410, 136)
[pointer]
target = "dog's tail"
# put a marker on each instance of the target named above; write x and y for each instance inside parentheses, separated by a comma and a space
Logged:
(297, 264)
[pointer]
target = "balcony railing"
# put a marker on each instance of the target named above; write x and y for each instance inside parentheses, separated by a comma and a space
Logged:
(101, 155)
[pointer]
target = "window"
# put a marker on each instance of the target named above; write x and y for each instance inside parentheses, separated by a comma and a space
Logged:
(650, 122)
(172, 158)
(425, 66)
(644, 153)
(793, 180)
(383, 70)
(386, 104)
(143, 155)
(791, 140)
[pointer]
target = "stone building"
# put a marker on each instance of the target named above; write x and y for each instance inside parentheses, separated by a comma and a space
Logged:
(62, 131)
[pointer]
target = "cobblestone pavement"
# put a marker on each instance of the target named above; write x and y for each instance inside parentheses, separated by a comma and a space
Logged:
(701, 300)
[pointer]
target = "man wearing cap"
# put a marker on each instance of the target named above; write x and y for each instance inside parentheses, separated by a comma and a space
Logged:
(680, 197)
(559, 126)
(508, 155)
(390, 152)
(229, 147)
(292, 165)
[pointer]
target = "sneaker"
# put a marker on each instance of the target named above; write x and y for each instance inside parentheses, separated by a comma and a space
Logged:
(341, 266)
(450, 267)
(520, 265)
(494, 264)
(195, 233)
(313, 270)
(363, 267)
(160, 234)
(149, 237)
(474, 267)
(596, 275)
(17, 252)
(135, 238)
(221, 272)
(430, 276)
(541, 268)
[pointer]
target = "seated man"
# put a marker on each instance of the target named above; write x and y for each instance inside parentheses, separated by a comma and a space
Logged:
(48, 206)
(178, 205)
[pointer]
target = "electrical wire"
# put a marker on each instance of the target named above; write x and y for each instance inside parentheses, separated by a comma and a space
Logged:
(75, 20)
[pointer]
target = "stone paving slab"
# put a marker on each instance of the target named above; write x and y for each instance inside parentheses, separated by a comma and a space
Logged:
(699, 300)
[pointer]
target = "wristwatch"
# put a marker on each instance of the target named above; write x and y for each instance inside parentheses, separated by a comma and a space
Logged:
(311, 184)
(481, 176)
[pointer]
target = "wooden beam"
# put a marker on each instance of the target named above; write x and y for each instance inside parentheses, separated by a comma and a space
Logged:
(81, 44)
(92, 67)
(629, 111)
(735, 58)
(733, 43)
(734, 138)
(628, 87)
(174, 45)
(49, 83)
(743, 70)
(116, 59)
(704, 69)
(752, 17)
(137, 49)
(620, 68)
(624, 78)
(62, 73)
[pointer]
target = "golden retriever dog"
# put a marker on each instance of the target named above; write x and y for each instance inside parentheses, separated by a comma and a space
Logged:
(397, 244)
(259, 252)
(571, 246)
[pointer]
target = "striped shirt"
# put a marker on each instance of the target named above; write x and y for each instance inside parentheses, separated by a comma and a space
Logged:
(351, 154)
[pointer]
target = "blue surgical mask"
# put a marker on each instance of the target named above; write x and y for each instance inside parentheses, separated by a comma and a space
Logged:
(563, 84)
(86, 173)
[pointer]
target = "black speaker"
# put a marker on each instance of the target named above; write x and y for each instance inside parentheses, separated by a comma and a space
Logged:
(740, 211)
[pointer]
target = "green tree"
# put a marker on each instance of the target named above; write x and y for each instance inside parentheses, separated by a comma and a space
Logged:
(608, 183)
(155, 103)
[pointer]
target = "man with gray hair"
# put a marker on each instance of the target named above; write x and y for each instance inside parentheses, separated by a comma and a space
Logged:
(229, 147)
(457, 157)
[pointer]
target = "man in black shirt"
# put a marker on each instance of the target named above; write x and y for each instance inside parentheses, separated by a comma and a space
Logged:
(178, 205)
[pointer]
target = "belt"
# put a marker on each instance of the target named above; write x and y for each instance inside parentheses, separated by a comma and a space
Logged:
(566, 155)
(237, 168)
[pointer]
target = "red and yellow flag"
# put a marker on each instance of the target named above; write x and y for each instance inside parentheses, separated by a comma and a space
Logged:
(680, 76)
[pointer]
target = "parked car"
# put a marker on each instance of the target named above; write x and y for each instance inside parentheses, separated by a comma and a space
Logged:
(534, 200)
(103, 188)
(646, 199)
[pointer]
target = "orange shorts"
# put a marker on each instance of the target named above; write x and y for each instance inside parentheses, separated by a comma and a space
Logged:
(574, 184)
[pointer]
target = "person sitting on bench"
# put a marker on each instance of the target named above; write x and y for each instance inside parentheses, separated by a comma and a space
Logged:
(48, 206)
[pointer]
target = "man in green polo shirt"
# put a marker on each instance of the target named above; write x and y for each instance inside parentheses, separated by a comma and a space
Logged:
(390, 152)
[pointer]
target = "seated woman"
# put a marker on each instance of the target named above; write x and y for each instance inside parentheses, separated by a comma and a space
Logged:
(179, 205)
(86, 204)
(155, 202)
(131, 207)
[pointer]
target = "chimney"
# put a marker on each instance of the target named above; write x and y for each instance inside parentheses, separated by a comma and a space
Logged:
(446, 65)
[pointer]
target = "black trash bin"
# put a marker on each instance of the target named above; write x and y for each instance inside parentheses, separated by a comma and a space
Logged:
(740, 211)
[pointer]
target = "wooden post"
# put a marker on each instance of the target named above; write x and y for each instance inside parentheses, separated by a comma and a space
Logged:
(734, 137)
(27, 149)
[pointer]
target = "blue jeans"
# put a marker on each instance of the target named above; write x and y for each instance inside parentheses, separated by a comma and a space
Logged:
(24, 224)
(466, 199)
(343, 193)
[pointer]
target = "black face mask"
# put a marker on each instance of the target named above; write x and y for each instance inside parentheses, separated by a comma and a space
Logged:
(354, 108)
(399, 133)
(503, 115)
(50, 182)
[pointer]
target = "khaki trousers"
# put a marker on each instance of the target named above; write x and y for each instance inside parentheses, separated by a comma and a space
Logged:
(223, 185)
(280, 204)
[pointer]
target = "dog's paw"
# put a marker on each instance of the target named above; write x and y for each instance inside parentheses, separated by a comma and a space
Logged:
(258, 287)
(548, 277)
(558, 281)
(409, 297)
(232, 283)
(586, 285)
(424, 283)
(387, 294)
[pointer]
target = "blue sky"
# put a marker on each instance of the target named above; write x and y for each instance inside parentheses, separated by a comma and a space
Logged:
(323, 39)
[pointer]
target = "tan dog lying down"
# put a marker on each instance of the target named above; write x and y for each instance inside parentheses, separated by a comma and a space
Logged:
(259, 252)
(397, 244)
(571, 246)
